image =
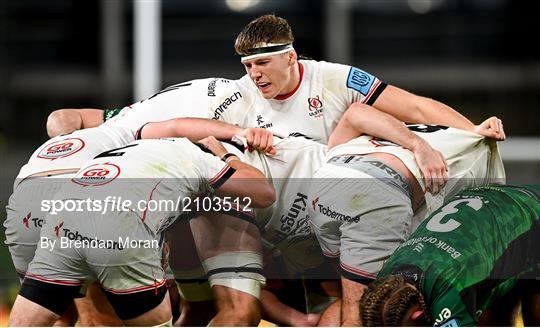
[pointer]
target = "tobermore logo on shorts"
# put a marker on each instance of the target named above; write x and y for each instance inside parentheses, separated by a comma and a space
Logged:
(315, 106)
(329, 212)
(36, 222)
(61, 148)
(226, 103)
(75, 235)
(57, 229)
(97, 174)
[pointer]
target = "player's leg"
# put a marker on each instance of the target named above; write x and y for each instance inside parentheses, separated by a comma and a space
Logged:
(197, 305)
(28, 313)
(231, 252)
(94, 309)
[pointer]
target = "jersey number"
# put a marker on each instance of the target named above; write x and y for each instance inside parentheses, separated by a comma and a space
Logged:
(435, 223)
(115, 152)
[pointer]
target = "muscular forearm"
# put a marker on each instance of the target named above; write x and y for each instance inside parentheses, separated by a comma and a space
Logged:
(279, 313)
(435, 112)
(191, 128)
(350, 303)
(368, 120)
(410, 108)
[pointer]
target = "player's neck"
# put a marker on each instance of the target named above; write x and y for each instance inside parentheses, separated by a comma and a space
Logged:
(297, 73)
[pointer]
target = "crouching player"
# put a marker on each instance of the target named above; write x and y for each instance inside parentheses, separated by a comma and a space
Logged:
(478, 251)
(362, 201)
(131, 276)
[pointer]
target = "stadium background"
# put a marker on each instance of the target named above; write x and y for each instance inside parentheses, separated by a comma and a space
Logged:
(479, 56)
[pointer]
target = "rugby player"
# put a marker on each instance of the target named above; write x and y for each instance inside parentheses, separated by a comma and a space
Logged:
(466, 258)
(169, 169)
(291, 96)
(285, 224)
(289, 170)
(50, 166)
(363, 198)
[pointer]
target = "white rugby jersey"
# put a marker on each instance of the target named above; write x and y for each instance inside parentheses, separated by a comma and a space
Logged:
(469, 157)
(285, 224)
(152, 177)
(325, 91)
(71, 151)
(187, 99)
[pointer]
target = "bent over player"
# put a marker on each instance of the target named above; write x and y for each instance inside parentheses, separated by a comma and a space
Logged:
(363, 198)
(132, 277)
(466, 258)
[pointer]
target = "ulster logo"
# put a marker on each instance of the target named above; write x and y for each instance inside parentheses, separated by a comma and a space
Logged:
(61, 148)
(315, 106)
(97, 174)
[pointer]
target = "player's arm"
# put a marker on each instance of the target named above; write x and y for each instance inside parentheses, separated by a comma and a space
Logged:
(67, 120)
(363, 119)
(277, 312)
(352, 292)
(199, 128)
(246, 181)
(411, 108)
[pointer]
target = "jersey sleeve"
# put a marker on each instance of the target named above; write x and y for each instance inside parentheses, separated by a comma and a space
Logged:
(448, 310)
(110, 113)
(212, 170)
(353, 83)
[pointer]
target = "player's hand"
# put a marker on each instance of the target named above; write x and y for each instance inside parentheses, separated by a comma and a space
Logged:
(491, 128)
(212, 144)
(260, 139)
(432, 165)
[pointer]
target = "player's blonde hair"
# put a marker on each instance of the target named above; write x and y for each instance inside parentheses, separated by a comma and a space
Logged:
(386, 300)
(263, 30)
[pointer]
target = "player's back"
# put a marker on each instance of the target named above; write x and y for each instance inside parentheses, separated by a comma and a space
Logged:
(285, 224)
(160, 173)
(193, 98)
(472, 249)
(71, 151)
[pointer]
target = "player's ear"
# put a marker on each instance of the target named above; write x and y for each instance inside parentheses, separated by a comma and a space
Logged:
(418, 318)
(293, 57)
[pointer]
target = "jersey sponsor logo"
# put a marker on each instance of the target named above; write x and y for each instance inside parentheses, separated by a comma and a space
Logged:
(299, 205)
(434, 241)
(261, 124)
(294, 226)
(360, 81)
(212, 86)
(444, 315)
(36, 222)
(329, 212)
(315, 106)
(57, 229)
(226, 103)
(75, 235)
(97, 174)
(61, 148)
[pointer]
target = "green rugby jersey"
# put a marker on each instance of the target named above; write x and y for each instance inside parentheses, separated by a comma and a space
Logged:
(471, 251)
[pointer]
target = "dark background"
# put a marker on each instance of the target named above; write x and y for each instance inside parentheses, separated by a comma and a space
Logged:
(481, 57)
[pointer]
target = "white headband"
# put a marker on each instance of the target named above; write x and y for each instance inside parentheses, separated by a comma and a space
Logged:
(267, 49)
